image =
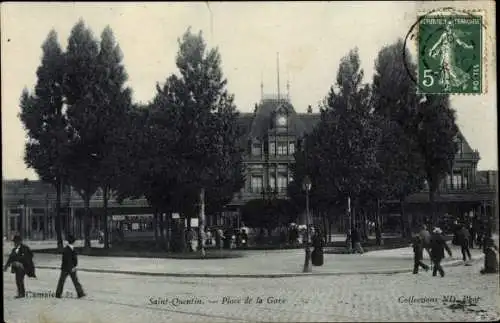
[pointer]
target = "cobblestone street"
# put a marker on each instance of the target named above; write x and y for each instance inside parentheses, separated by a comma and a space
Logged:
(129, 298)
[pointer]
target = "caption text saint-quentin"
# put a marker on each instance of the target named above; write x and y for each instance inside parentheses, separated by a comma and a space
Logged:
(226, 300)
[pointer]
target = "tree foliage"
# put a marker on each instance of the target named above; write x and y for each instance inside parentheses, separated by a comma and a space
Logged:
(190, 136)
(114, 104)
(81, 89)
(437, 132)
(46, 124)
(395, 104)
(340, 153)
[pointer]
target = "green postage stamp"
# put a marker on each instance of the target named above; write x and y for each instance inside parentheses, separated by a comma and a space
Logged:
(450, 54)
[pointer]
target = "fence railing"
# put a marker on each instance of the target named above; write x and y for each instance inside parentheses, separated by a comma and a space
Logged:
(469, 189)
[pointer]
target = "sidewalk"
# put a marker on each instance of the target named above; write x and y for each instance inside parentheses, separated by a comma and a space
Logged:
(47, 244)
(262, 264)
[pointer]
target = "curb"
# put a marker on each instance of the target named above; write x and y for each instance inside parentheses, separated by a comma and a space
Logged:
(453, 263)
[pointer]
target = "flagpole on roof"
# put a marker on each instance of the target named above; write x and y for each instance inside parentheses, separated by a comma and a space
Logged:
(278, 72)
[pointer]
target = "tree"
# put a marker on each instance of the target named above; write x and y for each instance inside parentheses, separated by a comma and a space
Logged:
(341, 150)
(142, 161)
(395, 105)
(44, 119)
(203, 118)
(437, 132)
(113, 104)
(82, 92)
(193, 136)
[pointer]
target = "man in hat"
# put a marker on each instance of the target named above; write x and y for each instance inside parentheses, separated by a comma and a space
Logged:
(425, 238)
(68, 268)
(438, 245)
(21, 262)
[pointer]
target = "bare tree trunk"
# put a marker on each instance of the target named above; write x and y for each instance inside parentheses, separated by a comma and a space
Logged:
(58, 219)
(105, 191)
(402, 219)
(432, 204)
(162, 227)
(323, 219)
(201, 224)
(364, 226)
(86, 221)
(182, 233)
(168, 230)
(155, 228)
(378, 225)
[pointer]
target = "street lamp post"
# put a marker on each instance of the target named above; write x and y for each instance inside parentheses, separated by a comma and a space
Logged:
(307, 261)
(201, 224)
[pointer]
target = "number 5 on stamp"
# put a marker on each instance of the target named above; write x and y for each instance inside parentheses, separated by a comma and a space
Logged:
(450, 54)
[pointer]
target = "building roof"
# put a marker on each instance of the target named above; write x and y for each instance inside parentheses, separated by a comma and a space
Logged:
(466, 148)
(261, 119)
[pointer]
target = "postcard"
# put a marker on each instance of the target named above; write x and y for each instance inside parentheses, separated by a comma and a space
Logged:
(249, 161)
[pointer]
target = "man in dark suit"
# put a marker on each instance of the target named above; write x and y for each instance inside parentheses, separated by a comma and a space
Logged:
(438, 246)
(68, 267)
(21, 262)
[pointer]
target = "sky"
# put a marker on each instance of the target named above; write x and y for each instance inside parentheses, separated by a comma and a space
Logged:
(311, 38)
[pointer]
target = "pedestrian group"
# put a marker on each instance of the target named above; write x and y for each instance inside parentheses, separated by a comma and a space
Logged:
(435, 245)
(21, 262)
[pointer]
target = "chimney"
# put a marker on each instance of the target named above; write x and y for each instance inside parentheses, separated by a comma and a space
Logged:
(309, 109)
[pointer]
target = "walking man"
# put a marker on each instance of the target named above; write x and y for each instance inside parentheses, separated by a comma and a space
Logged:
(68, 267)
(463, 239)
(438, 245)
(418, 254)
(425, 237)
(472, 233)
(21, 262)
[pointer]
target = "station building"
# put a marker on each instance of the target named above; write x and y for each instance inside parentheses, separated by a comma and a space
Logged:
(273, 133)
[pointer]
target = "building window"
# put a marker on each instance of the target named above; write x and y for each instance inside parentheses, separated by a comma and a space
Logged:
(457, 181)
(282, 183)
(282, 149)
(256, 184)
(272, 182)
(256, 149)
(272, 149)
(465, 182)
(291, 148)
(282, 168)
(448, 183)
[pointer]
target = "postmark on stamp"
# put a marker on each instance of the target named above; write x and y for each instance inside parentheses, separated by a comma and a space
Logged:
(451, 53)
